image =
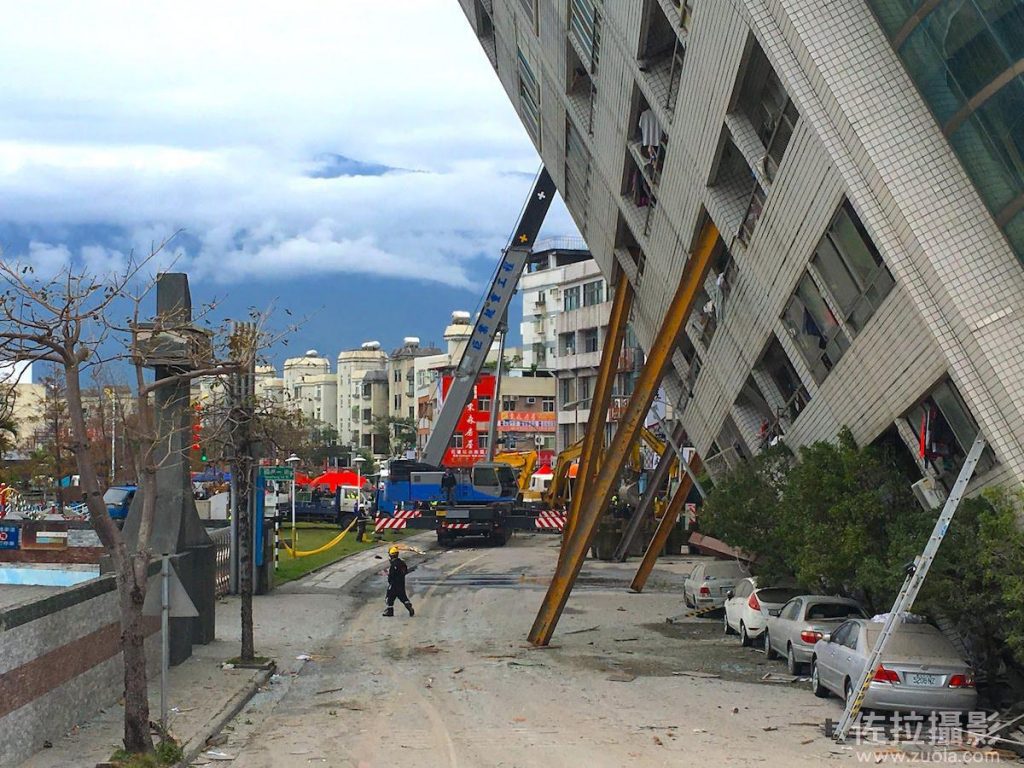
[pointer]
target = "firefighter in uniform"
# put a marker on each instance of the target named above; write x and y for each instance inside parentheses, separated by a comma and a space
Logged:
(396, 584)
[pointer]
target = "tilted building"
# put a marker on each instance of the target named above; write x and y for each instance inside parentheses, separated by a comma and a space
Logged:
(857, 167)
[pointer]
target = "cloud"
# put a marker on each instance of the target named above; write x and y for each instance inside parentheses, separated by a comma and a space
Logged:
(273, 136)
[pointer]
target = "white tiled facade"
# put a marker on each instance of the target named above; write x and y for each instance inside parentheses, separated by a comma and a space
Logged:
(863, 138)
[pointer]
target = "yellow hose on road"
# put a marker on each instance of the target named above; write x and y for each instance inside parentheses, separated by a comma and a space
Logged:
(324, 548)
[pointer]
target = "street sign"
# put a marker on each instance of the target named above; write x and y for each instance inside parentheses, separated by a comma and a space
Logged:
(10, 537)
(278, 473)
(179, 604)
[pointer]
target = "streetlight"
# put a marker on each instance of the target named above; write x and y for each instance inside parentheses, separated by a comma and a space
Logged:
(358, 461)
(293, 462)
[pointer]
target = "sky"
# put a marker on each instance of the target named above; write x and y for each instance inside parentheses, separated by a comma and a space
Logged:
(357, 164)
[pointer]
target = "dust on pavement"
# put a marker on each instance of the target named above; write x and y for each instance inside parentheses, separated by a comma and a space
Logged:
(458, 685)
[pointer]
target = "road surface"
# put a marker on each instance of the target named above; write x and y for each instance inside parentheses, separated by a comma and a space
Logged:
(458, 686)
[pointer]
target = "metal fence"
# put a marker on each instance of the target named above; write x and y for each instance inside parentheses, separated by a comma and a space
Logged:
(222, 542)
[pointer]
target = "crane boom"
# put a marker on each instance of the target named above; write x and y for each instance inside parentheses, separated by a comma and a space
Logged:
(492, 312)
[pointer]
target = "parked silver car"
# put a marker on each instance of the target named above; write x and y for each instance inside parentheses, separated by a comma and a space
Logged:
(920, 671)
(709, 583)
(793, 630)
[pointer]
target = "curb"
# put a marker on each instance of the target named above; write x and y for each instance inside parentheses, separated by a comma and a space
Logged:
(197, 743)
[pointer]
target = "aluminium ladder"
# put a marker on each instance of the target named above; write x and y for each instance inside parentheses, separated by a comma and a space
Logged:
(915, 578)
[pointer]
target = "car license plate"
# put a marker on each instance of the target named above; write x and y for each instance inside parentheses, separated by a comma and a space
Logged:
(916, 678)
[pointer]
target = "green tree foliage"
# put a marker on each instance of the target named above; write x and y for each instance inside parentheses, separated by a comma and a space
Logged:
(843, 520)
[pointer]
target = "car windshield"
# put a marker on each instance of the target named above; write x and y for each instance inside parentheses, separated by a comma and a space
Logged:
(723, 570)
(778, 595)
(115, 496)
(833, 611)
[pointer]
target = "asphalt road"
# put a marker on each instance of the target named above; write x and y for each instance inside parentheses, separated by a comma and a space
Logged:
(458, 685)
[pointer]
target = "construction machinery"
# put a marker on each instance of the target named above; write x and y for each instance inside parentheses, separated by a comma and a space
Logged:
(486, 502)
(523, 463)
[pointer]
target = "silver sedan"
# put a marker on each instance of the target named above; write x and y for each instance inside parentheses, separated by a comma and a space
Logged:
(793, 630)
(920, 671)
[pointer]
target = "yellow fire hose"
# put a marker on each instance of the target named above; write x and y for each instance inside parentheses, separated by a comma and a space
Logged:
(318, 550)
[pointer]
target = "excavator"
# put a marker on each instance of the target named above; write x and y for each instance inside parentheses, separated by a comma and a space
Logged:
(560, 490)
(523, 462)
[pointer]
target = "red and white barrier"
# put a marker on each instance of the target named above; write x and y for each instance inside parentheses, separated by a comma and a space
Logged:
(397, 521)
(550, 521)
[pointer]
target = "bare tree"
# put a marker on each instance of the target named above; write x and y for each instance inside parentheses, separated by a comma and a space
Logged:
(67, 319)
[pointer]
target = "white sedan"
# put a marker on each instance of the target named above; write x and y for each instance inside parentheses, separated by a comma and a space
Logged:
(746, 608)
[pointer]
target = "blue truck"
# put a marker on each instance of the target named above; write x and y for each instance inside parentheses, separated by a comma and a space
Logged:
(118, 499)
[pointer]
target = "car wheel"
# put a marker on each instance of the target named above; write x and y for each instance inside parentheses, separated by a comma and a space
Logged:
(816, 687)
(725, 625)
(794, 666)
(745, 640)
(768, 650)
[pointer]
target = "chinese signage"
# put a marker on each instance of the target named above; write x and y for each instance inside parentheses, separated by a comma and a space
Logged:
(10, 537)
(467, 450)
(526, 421)
(278, 473)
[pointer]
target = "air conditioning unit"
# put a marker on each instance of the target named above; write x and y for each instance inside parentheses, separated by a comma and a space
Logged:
(538, 440)
(531, 400)
(929, 493)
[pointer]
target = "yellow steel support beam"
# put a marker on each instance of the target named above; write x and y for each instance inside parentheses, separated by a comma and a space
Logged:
(665, 527)
(593, 438)
(574, 549)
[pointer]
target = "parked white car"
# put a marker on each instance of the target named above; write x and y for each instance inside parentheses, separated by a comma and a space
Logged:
(708, 583)
(920, 671)
(746, 608)
(792, 631)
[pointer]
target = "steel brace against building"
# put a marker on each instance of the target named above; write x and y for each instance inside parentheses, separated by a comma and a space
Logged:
(666, 463)
(601, 482)
(665, 526)
(593, 438)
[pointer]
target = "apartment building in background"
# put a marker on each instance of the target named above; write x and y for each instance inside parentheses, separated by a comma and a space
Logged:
(362, 393)
(856, 166)
(311, 388)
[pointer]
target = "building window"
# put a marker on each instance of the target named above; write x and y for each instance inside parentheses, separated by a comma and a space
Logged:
(483, 404)
(584, 31)
(508, 403)
(571, 298)
(946, 430)
(661, 55)
(762, 96)
(583, 390)
(529, 96)
(530, 10)
(567, 391)
(784, 127)
(398, 402)
(852, 268)
(589, 340)
(457, 440)
(567, 343)
(548, 405)
(397, 376)
(593, 293)
(814, 329)
(964, 56)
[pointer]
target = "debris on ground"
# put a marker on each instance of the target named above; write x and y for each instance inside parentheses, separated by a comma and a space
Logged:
(621, 677)
(625, 639)
(458, 670)
(216, 754)
(778, 677)
(580, 631)
(695, 673)
(329, 690)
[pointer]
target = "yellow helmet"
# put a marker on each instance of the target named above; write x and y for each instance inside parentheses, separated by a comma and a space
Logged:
(393, 551)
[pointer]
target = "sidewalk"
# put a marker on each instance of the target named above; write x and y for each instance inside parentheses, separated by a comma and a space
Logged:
(203, 695)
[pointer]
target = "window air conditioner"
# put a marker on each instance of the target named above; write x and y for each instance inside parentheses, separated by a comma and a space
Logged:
(929, 494)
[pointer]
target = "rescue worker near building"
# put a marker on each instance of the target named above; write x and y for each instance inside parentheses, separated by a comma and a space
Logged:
(448, 483)
(396, 584)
